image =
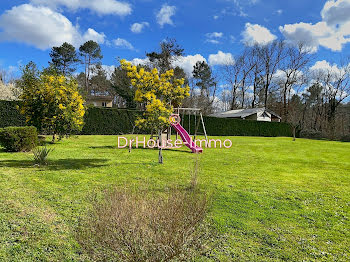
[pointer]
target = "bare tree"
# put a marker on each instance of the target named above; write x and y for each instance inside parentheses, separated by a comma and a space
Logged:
(292, 73)
(7, 76)
(249, 64)
(271, 56)
(336, 83)
(232, 73)
(256, 80)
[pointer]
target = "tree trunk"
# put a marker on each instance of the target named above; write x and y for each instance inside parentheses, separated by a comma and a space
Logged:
(285, 104)
(243, 92)
(254, 96)
(233, 101)
(160, 154)
(88, 74)
(294, 131)
(266, 94)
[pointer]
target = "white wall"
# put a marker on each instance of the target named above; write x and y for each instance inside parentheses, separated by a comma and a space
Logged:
(264, 118)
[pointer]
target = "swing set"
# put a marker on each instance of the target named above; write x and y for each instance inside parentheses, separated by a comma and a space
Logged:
(196, 113)
(184, 134)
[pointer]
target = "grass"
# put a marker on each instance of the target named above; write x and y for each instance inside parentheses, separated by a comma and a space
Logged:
(273, 199)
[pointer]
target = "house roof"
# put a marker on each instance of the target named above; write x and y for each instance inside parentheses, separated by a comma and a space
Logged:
(243, 113)
(99, 98)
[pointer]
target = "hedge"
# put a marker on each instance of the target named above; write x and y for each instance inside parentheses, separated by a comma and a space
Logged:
(112, 121)
(237, 127)
(109, 121)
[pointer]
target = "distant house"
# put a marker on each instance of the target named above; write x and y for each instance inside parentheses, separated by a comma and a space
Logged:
(257, 114)
(100, 101)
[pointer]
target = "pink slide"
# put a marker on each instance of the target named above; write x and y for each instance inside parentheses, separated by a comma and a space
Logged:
(186, 138)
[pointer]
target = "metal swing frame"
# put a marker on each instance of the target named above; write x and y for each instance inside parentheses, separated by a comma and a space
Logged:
(195, 112)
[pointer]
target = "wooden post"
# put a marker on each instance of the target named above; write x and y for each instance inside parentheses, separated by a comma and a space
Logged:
(160, 155)
(168, 133)
(195, 125)
(205, 131)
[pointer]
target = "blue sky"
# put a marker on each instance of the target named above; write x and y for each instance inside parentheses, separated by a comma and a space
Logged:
(28, 28)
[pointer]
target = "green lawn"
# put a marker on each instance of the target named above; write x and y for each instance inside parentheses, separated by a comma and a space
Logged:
(273, 199)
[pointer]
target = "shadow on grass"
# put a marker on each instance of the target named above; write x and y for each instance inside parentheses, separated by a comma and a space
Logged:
(183, 150)
(103, 147)
(47, 143)
(60, 164)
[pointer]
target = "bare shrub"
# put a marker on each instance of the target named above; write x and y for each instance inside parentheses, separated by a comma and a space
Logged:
(137, 226)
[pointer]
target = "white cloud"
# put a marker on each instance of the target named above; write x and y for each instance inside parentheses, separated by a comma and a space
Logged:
(140, 61)
(91, 34)
(213, 41)
(101, 7)
(308, 34)
(257, 34)
(215, 35)
(280, 77)
(122, 43)
(41, 27)
(332, 32)
(218, 104)
(279, 11)
(321, 67)
(184, 62)
(327, 75)
(314, 35)
(164, 15)
(187, 62)
(138, 27)
(109, 69)
(242, 14)
(221, 58)
(239, 7)
(196, 91)
(336, 12)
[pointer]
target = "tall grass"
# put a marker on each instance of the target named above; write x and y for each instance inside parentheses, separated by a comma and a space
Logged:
(135, 225)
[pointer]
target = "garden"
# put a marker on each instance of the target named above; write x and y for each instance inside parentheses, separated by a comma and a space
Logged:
(271, 199)
(71, 194)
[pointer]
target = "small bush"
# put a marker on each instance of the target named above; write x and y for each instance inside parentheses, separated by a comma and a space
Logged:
(18, 139)
(41, 154)
(134, 226)
(311, 134)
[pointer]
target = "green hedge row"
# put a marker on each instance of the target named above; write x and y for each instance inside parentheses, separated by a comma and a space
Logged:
(110, 121)
(237, 127)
